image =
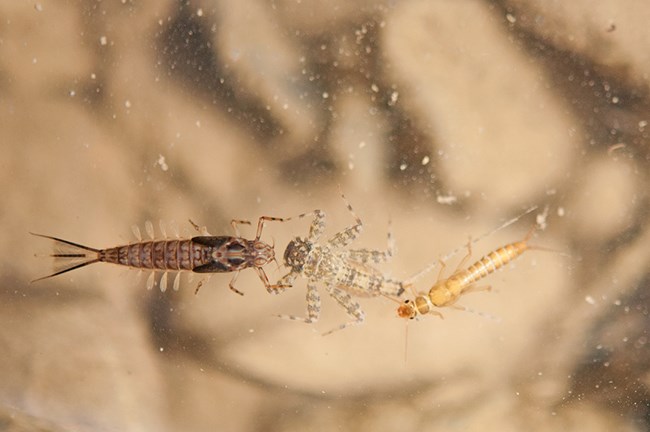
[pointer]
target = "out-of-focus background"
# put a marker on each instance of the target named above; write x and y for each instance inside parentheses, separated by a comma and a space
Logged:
(445, 118)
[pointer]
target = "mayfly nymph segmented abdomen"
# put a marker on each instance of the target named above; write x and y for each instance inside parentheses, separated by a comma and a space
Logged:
(343, 271)
(188, 254)
(201, 254)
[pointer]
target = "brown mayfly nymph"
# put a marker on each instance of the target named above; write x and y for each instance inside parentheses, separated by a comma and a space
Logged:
(201, 254)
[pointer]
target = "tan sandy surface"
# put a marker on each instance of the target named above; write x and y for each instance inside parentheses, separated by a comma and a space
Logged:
(445, 117)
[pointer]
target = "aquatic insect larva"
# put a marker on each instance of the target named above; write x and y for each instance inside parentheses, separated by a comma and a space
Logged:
(200, 254)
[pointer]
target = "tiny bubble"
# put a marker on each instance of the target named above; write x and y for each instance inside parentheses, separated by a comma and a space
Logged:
(511, 18)
(402, 167)
(103, 40)
(199, 12)
(425, 160)
(589, 299)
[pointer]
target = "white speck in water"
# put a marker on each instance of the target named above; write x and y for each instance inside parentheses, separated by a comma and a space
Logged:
(642, 125)
(38, 7)
(34, 60)
(103, 40)
(350, 165)
(127, 103)
(198, 123)
(403, 166)
(325, 95)
(162, 349)
(617, 302)
(73, 93)
(162, 163)
(251, 330)
(511, 18)
(611, 149)
(541, 218)
(362, 144)
(425, 160)
(93, 76)
(560, 211)
(589, 299)
(393, 98)
(446, 199)
(615, 99)
(374, 88)
(258, 199)
(199, 12)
